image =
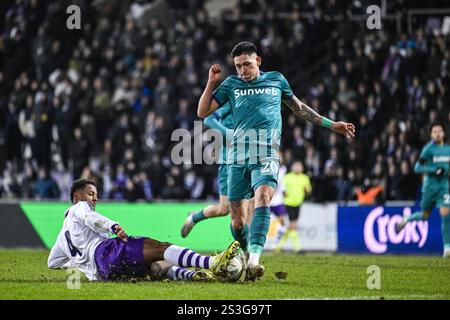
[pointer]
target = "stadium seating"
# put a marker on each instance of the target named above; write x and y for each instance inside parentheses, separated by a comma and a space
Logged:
(102, 102)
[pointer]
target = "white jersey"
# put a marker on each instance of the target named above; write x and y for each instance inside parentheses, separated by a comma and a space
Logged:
(277, 198)
(83, 230)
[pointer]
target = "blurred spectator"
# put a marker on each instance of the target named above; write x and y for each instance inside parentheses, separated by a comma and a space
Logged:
(12, 133)
(131, 191)
(184, 118)
(88, 174)
(64, 120)
(408, 182)
(344, 186)
(369, 194)
(46, 187)
(29, 183)
(79, 153)
(174, 188)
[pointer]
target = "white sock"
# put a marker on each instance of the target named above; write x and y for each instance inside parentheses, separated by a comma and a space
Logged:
(184, 257)
(178, 273)
(254, 258)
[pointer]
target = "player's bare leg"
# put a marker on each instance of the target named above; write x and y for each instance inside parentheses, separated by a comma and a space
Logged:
(220, 210)
(416, 216)
(445, 227)
(154, 250)
(258, 231)
(250, 211)
(239, 228)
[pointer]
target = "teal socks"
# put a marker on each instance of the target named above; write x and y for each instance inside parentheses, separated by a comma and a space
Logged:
(259, 229)
(417, 216)
(199, 216)
(241, 235)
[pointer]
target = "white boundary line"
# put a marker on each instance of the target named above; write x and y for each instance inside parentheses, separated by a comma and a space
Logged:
(386, 297)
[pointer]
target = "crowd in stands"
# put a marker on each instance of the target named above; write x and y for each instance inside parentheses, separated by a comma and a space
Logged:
(102, 102)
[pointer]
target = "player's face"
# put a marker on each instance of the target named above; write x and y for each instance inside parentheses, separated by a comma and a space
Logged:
(437, 134)
(88, 194)
(247, 66)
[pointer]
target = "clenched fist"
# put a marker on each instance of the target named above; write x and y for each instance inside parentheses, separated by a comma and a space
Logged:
(214, 73)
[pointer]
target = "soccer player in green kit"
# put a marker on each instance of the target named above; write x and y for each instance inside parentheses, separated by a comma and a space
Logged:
(255, 98)
(434, 162)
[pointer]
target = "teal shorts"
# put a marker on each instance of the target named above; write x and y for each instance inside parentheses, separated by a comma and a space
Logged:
(435, 197)
(244, 179)
(222, 177)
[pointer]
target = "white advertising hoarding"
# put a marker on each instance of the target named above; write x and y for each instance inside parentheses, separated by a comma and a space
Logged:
(317, 226)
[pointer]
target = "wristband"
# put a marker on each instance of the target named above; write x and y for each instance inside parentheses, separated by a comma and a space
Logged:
(326, 122)
(113, 228)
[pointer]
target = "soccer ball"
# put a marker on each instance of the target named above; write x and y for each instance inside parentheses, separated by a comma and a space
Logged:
(234, 270)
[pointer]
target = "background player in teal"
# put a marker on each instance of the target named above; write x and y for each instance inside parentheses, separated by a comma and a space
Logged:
(221, 120)
(255, 98)
(434, 162)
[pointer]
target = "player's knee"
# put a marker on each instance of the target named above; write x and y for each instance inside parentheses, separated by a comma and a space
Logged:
(158, 270)
(224, 210)
(164, 245)
(160, 249)
(236, 209)
(263, 198)
(156, 246)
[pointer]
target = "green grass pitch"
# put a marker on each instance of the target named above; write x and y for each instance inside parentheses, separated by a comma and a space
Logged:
(24, 275)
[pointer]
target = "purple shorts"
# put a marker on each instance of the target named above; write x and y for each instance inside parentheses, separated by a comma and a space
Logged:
(117, 259)
(278, 210)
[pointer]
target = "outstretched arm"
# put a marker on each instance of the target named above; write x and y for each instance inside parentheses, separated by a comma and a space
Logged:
(303, 111)
(425, 164)
(421, 166)
(98, 223)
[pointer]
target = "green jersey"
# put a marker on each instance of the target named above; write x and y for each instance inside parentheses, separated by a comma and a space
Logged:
(256, 109)
(221, 120)
(432, 157)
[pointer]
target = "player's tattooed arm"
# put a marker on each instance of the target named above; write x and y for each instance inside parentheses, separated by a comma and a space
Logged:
(303, 111)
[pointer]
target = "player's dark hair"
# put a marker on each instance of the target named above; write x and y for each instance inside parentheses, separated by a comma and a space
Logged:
(244, 47)
(78, 185)
(437, 124)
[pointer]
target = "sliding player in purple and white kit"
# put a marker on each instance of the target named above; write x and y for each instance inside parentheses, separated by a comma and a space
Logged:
(84, 243)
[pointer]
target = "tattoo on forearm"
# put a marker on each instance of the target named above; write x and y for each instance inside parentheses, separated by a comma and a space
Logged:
(301, 110)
